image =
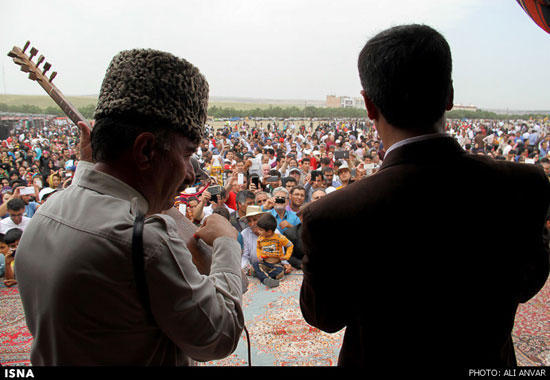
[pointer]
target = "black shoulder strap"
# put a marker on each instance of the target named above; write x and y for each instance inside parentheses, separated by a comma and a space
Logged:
(138, 261)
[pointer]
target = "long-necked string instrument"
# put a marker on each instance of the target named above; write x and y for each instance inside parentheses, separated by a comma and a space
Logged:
(39, 75)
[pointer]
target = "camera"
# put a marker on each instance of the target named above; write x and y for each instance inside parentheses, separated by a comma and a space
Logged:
(280, 200)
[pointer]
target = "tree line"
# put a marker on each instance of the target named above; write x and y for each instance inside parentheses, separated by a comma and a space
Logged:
(276, 112)
(29, 109)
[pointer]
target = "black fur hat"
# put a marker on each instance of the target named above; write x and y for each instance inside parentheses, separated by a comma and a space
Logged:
(157, 85)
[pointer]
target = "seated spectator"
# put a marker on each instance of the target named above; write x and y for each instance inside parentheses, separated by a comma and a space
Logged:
(250, 238)
(11, 238)
(272, 249)
(4, 250)
(45, 193)
(277, 207)
(54, 180)
(16, 209)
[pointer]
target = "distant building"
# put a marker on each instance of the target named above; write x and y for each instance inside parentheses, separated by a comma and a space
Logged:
(334, 101)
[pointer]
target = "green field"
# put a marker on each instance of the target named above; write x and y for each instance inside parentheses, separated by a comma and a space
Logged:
(44, 101)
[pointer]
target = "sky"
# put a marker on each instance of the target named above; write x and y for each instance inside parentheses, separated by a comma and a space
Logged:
(279, 49)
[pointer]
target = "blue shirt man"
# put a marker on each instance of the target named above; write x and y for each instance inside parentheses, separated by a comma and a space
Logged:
(277, 208)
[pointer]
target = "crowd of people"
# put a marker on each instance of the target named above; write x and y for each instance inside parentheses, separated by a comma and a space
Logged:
(278, 168)
(248, 169)
(36, 160)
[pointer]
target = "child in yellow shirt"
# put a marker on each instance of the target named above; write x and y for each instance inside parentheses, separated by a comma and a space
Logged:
(4, 251)
(11, 239)
(271, 249)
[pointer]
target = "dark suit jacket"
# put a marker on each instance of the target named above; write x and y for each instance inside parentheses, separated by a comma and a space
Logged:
(422, 276)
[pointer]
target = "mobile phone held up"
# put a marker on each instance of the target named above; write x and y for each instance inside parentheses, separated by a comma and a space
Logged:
(341, 154)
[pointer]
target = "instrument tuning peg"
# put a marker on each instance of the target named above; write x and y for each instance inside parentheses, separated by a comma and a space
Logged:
(32, 75)
(40, 60)
(26, 46)
(53, 75)
(46, 67)
(33, 52)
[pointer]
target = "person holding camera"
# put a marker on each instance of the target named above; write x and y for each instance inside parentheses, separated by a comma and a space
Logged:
(214, 196)
(277, 206)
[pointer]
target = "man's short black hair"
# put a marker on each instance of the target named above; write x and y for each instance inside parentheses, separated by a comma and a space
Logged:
(267, 222)
(315, 174)
(289, 179)
(243, 195)
(297, 187)
(12, 235)
(406, 72)
(16, 204)
(274, 173)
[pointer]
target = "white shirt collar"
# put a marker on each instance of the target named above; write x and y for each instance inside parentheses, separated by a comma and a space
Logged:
(414, 139)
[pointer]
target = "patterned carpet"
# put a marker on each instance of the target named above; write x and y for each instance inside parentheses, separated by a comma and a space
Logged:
(15, 339)
(531, 333)
(278, 334)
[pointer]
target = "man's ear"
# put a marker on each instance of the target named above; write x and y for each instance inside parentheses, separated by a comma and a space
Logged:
(372, 111)
(451, 98)
(144, 150)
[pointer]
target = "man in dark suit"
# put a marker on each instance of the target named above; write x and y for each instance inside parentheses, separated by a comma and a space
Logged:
(428, 280)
